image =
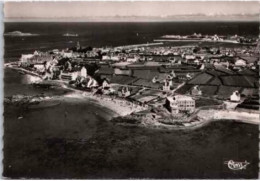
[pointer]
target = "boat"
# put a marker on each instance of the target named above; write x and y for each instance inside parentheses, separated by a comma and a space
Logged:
(70, 34)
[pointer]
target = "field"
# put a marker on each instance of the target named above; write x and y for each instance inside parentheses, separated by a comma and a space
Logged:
(200, 79)
(208, 90)
(239, 81)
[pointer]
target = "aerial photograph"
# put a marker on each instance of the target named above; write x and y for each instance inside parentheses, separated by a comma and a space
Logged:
(131, 90)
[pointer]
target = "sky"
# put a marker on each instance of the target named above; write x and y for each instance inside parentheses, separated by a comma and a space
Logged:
(124, 10)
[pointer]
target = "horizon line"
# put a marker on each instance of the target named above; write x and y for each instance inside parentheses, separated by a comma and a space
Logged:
(125, 21)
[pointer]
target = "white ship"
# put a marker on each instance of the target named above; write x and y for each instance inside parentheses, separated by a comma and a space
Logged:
(71, 34)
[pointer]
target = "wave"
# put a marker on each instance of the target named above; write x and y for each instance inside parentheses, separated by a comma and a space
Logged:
(70, 34)
(19, 33)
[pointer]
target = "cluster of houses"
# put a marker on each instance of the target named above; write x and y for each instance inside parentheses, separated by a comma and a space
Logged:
(215, 37)
(174, 74)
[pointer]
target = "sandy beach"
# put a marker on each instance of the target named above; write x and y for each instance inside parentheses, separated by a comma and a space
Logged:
(120, 107)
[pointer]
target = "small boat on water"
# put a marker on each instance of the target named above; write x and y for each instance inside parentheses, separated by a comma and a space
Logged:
(71, 34)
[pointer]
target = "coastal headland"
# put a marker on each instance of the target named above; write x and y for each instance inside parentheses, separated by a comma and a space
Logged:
(124, 110)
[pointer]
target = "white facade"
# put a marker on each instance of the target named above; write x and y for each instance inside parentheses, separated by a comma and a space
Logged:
(25, 57)
(190, 57)
(235, 96)
(131, 59)
(39, 67)
(180, 103)
(106, 57)
(240, 62)
(92, 83)
(202, 67)
(67, 54)
(69, 76)
(83, 72)
(196, 91)
(119, 71)
(124, 92)
(167, 85)
(105, 84)
(115, 58)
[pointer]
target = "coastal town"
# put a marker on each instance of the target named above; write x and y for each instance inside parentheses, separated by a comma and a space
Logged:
(159, 83)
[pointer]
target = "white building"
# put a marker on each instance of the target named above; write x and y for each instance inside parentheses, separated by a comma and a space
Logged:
(39, 67)
(131, 59)
(196, 91)
(105, 84)
(179, 103)
(106, 57)
(68, 76)
(167, 85)
(202, 66)
(92, 83)
(190, 57)
(124, 92)
(83, 72)
(67, 54)
(240, 63)
(25, 57)
(235, 96)
(115, 58)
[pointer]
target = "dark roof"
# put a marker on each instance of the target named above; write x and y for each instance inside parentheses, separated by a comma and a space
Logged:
(202, 78)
